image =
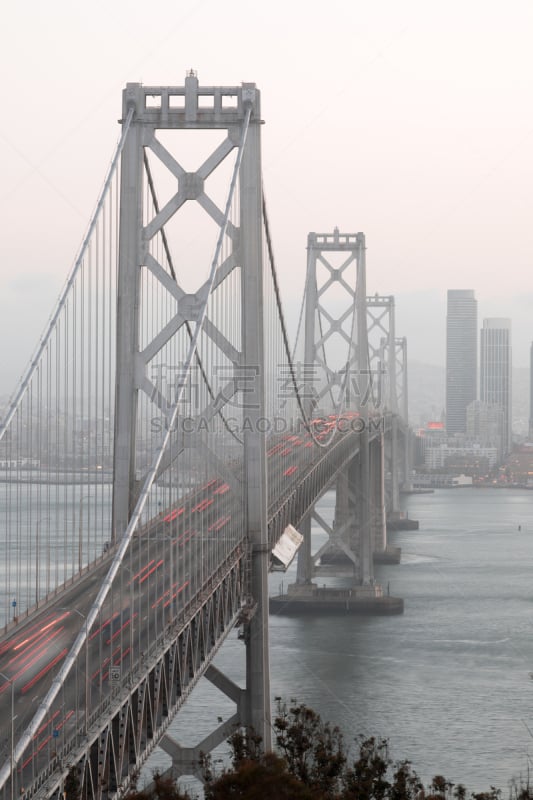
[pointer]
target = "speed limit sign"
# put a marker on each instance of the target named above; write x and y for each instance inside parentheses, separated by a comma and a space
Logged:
(114, 676)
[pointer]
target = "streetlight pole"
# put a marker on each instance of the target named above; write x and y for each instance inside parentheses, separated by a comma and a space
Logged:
(12, 759)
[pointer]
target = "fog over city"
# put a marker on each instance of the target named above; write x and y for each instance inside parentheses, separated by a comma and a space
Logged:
(411, 122)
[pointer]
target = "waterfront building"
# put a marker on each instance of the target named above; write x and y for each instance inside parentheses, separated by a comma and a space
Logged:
(474, 457)
(495, 383)
(461, 357)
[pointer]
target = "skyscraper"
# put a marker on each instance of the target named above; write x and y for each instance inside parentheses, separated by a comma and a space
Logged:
(495, 371)
(461, 357)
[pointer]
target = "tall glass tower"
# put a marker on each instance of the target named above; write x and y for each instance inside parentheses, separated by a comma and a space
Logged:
(495, 375)
(461, 357)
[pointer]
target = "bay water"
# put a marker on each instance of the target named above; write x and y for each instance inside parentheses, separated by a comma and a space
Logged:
(449, 683)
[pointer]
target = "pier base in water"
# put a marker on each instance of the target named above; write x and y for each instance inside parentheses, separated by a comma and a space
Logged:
(401, 522)
(311, 599)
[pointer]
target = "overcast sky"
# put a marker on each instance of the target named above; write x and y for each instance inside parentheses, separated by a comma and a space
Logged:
(411, 122)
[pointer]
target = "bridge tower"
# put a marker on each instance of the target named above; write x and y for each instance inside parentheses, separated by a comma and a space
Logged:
(338, 381)
(382, 349)
(235, 111)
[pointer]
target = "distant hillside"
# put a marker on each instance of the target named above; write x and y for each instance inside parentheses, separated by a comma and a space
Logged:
(427, 392)
(427, 395)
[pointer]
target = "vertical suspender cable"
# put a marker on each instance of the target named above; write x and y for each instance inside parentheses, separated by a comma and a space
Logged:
(55, 315)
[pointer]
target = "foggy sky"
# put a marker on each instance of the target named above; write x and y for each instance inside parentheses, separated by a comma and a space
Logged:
(411, 122)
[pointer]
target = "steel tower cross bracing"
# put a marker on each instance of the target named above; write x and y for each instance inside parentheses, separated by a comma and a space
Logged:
(382, 349)
(398, 366)
(400, 359)
(381, 346)
(402, 391)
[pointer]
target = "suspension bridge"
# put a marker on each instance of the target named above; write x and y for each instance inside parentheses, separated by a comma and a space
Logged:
(163, 440)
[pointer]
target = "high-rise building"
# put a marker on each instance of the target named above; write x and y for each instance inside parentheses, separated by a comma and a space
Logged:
(495, 382)
(461, 357)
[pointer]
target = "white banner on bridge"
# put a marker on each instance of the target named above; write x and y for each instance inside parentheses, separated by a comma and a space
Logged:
(286, 548)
